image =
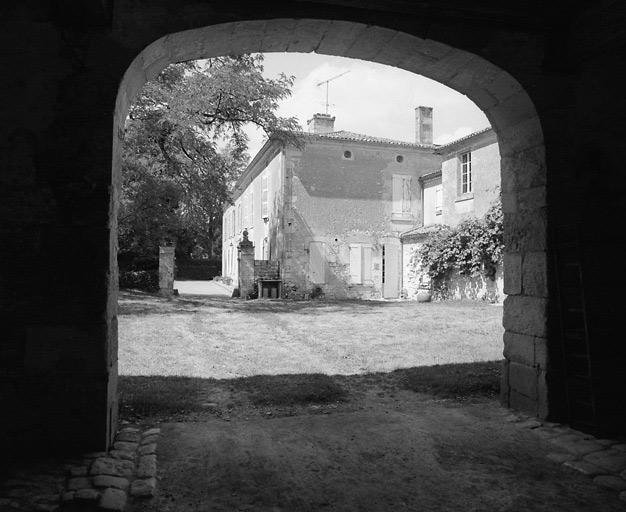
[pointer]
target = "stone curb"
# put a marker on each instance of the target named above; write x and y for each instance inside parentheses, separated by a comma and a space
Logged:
(107, 481)
(602, 460)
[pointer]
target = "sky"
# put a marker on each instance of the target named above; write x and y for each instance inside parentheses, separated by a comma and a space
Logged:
(371, 99)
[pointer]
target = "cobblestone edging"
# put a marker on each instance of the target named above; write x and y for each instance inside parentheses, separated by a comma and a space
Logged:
(101, 480)
(603, 460)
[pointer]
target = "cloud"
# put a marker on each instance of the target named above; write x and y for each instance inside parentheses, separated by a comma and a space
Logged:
(459, 133)
(372, 99)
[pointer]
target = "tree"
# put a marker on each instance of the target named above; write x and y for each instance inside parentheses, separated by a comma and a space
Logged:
(185, 147)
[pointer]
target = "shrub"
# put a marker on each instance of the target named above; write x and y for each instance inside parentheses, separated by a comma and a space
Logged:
(202, 270)
(475, 246)
(146, 280)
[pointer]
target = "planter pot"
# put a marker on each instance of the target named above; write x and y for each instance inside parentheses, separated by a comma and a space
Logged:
(424, 296)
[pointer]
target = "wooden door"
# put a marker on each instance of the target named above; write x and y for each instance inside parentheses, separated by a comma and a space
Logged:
(391, 271)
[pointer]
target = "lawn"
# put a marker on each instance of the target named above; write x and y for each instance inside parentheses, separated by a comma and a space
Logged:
(225, 339)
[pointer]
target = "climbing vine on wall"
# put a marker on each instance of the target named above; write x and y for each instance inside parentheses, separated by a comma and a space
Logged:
(475, 246)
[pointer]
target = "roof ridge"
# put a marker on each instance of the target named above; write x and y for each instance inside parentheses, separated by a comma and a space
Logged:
(348, 135)
(483, 130)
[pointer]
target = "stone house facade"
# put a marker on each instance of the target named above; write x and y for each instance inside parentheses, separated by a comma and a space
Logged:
(331, 213)
(467, 184)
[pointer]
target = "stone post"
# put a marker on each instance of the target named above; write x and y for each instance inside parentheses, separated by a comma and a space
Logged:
(166, 271)
(246, 266)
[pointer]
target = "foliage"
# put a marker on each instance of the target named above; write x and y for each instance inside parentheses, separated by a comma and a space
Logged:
(146, 280)
(203, 270)
(475, 246)
(185, 147)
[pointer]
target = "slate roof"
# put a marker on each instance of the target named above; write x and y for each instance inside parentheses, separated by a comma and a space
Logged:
(344, 135)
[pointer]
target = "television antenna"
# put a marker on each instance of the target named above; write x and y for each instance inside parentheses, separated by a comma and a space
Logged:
(326, 82)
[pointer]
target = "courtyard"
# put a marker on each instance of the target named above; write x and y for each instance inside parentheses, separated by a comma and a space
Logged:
(373, 406)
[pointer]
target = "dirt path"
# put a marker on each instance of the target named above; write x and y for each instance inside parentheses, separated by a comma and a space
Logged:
(386, 455)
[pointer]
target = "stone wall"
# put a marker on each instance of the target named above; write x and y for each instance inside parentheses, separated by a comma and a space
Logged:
(549, 81)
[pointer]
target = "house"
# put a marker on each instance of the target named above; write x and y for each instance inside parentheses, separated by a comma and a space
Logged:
(332, 212)
(467, 184)
(343, 215)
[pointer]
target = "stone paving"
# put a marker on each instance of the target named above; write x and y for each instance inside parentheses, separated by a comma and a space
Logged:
(603, 460)
(108, 481)
(104, 481)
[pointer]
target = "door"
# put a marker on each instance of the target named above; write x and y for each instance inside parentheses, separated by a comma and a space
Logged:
(391, 269)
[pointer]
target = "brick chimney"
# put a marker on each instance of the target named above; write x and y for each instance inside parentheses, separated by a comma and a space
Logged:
(321, 123)
(424, 125)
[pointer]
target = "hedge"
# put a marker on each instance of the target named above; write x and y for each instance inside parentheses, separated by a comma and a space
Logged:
(202, 270)
(146, 280)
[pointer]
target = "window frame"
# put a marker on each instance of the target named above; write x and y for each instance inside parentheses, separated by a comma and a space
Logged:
(265, 196)
(466, 185)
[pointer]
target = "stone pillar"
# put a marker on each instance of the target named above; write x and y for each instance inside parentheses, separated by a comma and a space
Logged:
(246, 266)
(166, 271)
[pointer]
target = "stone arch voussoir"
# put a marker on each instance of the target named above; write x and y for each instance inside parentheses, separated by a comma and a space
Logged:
(507, 106)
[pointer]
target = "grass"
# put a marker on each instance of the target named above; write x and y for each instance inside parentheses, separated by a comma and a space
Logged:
(183, 359)
(454, 380)
(293, 389)
(224, 339)
(159, 398)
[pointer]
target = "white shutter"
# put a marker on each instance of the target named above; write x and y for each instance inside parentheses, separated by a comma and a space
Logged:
(397, 193)
(355, 263)
(406, 194)
(367, 263)
(264, 197)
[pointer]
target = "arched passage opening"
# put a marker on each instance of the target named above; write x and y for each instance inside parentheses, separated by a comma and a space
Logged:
(504, 101)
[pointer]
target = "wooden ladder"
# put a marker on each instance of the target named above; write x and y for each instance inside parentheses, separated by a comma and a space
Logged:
(577, 357)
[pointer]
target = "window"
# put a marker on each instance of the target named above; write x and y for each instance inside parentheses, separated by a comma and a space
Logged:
(360, 263)
(466, 173)
(264, 194)
(347, 155)
(399, 159)
(246, 207)
(239, 217)
(438, 200)
(251, 208)
(401, 185)
(232, 222)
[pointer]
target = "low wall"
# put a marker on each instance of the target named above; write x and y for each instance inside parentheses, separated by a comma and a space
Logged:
(457, 287)
(475, 288)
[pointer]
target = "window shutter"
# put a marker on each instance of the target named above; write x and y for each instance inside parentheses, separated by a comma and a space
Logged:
(367, 263)
(355, 263)
(406, 194)
(264, 197)
(397, 193)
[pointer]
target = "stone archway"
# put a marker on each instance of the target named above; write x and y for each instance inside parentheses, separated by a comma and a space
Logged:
(502, 98)
(562, 163)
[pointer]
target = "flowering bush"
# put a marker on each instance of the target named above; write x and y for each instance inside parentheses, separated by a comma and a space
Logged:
(475, 246)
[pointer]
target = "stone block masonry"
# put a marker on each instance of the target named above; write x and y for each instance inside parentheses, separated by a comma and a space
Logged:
(603, 460)
(102, 480)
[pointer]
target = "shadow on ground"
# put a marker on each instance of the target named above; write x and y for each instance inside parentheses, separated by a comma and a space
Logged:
(374, 443)
(160, 398)
(135, 302)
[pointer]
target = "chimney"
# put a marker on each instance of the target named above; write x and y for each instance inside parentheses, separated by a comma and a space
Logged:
(321, 123)
(424, 125)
